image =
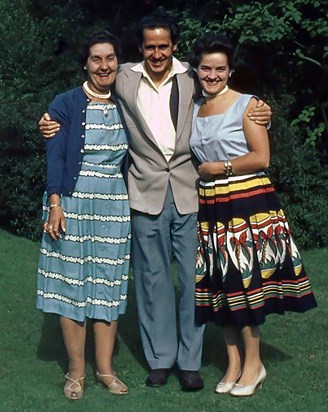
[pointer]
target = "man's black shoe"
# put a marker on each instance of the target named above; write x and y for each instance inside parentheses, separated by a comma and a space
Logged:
(191, 381)
(157, 377)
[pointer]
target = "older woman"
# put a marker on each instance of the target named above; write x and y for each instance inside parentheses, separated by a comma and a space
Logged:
(84, 256)
(248, 265)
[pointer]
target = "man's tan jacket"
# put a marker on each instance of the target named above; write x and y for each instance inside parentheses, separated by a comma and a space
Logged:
(149, 171)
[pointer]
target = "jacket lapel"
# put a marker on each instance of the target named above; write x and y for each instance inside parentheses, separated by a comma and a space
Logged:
(186, 90)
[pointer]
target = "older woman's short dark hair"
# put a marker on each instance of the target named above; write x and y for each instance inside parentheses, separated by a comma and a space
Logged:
(102, 36)
(158, 20)
(211, 43)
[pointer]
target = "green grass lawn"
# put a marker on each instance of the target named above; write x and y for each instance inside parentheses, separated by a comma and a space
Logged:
(33, 361)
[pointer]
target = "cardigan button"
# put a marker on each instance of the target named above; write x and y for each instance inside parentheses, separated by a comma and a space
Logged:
(83, 123)
(82, 150)
(82, 136)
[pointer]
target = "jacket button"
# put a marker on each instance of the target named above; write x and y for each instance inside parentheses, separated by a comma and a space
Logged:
(82, 150)
(167, 169)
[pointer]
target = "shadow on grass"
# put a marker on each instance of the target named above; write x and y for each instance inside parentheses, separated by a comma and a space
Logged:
(129, 330)
(214, 351)
(51, 345)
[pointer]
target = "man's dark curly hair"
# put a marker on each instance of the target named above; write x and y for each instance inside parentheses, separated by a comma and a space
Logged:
(158, 20)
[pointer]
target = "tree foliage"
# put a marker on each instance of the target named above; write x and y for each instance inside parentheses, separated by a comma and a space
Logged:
(33, 68)
(282, 56)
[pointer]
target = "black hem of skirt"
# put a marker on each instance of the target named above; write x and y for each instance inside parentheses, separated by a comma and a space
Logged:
(245, 317)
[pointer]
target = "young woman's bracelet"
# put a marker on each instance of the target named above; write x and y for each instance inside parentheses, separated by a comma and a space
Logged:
(227, 168)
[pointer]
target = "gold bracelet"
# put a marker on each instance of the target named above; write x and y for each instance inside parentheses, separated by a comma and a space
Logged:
(52, 205)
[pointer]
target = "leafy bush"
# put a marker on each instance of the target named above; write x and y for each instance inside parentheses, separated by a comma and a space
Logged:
(299, 177)
(33, 69)
(282, 52)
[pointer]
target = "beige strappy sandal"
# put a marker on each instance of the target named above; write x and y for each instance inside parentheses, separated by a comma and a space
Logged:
(73, 388)
(117, 387)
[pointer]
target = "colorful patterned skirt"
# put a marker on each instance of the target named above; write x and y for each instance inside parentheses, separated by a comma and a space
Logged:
(248, 265)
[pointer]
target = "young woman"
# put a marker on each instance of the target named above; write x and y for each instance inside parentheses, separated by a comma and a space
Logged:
(248, 265)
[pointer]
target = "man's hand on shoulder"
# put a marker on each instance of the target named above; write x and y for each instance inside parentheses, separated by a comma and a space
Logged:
(48, 128)
(261, 114)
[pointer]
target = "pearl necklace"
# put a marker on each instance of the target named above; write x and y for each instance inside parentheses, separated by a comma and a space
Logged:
(224, 90)
(96, 95)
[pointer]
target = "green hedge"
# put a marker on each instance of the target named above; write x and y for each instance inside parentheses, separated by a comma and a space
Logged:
(34, 67)
(300, 178)
(281, 47)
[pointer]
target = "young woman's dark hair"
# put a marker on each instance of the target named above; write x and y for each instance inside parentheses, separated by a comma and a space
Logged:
(211, 43)
(102, 36)
(158, 20)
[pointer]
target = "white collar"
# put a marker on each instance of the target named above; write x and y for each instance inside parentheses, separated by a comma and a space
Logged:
(176, 68)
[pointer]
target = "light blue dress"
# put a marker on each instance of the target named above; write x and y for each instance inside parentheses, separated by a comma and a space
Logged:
(84, 274)
(220, 137)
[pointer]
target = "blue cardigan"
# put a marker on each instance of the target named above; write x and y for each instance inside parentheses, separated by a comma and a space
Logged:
(65, 150)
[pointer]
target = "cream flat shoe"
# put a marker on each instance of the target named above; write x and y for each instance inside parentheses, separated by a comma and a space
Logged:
(116, 386)
(248, 390)
(73, 388)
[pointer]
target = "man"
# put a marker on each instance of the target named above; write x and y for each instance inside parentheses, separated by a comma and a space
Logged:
(157, 102)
